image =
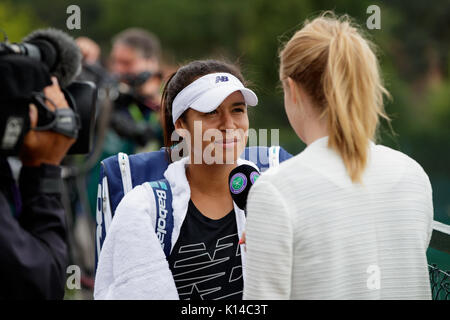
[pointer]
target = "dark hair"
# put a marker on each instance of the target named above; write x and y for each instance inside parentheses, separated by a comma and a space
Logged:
(141, 40)
(181, 79)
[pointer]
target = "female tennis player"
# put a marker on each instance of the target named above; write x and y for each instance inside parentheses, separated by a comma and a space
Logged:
(346, 218)
(205, 262)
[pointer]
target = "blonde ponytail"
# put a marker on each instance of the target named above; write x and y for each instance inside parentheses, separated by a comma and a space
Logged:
(338, 69)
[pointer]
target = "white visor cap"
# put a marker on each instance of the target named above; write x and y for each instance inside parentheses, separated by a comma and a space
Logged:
(207, 93)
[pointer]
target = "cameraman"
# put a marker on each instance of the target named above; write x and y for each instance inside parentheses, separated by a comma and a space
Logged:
(135, 60)
(135, 67)
(134, 124)
(33, 250)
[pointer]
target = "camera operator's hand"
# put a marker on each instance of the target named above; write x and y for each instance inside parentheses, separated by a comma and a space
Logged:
(46, 146)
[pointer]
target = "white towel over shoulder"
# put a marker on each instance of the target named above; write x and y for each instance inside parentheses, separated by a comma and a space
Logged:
(125, 269)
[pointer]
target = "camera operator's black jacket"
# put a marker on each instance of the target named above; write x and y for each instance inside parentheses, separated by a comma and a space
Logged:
(33, 249)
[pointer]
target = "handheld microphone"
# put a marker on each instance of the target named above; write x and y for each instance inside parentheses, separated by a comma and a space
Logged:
(240, 181)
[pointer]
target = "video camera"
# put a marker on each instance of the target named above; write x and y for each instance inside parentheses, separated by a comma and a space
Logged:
(26, 69)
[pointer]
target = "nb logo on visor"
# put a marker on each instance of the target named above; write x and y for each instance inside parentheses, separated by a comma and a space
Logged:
(221, 79)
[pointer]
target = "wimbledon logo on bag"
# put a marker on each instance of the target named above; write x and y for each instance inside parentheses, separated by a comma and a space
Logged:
(162, 213)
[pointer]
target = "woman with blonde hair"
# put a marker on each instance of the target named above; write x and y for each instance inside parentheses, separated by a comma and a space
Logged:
(346, 218)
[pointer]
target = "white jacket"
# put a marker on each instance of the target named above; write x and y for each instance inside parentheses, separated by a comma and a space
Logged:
(313, 234)
(132, 264)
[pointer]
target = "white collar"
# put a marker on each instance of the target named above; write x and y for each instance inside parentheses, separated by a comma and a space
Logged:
(321, 142)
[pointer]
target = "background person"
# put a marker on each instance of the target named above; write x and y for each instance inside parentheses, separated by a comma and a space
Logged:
(135, 60)
(134, 66)
(345, 218)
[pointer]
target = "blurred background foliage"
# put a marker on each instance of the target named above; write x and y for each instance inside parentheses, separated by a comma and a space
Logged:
(413, 42)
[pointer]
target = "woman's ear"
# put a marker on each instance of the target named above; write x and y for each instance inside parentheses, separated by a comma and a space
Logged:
(180, 127)
(292, 90)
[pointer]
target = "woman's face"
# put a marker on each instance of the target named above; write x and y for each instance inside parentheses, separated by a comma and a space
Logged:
(219, 136)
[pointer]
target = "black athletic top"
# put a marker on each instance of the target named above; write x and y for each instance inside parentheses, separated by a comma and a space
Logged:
(206, 259)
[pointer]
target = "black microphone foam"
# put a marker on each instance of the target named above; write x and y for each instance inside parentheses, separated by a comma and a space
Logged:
(240, 181)
(59, 51)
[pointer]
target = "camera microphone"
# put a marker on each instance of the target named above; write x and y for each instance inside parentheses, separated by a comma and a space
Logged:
(57, 50)
(240, 181)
